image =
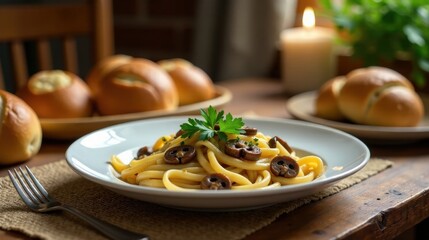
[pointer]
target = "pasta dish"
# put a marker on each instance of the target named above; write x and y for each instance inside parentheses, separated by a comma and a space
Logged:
(220, 153)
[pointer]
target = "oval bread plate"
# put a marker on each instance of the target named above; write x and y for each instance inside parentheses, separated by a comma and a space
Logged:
(76, 127)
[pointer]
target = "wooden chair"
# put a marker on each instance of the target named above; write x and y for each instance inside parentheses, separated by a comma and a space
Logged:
(40, 23)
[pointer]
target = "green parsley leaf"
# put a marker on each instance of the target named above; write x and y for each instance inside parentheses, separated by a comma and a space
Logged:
(214, 123)
(211, 116)
(231, 125)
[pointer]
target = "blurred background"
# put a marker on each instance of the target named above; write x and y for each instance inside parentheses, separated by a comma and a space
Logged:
(232, 39)
(228, 39)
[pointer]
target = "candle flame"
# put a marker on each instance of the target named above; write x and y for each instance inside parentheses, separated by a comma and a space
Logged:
(308, 18)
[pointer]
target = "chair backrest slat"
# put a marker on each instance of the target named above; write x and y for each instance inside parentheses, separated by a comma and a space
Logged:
(19, 63)
(2, 82)
(44, 54)
(42, 23)
(103, 19)
(70, 56)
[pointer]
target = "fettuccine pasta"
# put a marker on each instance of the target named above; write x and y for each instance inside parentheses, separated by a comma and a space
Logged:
(243, 162)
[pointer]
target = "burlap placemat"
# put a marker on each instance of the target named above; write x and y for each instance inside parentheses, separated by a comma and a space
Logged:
(157, 221)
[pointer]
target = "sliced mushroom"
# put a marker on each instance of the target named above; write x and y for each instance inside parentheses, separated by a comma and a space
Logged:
(216, 181)
(248, 131)
(239, 149)
(233, 148)
(179, 133)
(144, 152)
(273, 140)
(180, 154)
(251, 153)
(284, 166)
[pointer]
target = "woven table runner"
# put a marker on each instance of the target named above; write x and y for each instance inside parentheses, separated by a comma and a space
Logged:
(157, 221)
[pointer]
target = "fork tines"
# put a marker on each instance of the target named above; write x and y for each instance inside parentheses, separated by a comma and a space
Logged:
(28, 187)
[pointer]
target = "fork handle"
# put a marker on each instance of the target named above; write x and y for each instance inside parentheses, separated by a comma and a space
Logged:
(109, 230)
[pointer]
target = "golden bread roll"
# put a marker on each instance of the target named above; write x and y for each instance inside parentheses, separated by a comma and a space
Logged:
(20, 130)
(102, 68)
(57, 94)
(380, 96)
(137, 86)
(327, 99)
(192, 83)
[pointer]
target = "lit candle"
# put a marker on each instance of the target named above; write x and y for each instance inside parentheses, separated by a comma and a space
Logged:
(307, 55)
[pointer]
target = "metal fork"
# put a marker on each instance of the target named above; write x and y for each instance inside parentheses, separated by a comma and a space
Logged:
(37, 199)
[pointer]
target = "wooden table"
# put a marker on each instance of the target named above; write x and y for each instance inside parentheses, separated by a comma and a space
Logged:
(391, 204)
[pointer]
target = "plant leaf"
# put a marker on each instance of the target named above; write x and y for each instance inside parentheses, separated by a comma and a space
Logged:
(211, 116)
(414, 35)
(230, 124)
(207, 127)
(423, 13)
(424, 64)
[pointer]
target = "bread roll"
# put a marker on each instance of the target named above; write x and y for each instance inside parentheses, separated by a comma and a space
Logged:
(192, 83)
(102, 68)
(20, 130)
(137, 86)
(380, 96)
(327, 99)
(57, 94)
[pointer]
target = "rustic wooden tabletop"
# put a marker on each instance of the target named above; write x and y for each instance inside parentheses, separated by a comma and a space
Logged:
(391, 204)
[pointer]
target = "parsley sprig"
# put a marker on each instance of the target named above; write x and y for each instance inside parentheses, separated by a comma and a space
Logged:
(214, 123)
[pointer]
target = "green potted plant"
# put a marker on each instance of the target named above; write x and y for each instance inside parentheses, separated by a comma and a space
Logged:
(380, 31)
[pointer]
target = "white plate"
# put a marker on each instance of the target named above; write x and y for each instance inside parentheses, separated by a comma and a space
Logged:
(301, 106)
(73, 128)
(89, 156)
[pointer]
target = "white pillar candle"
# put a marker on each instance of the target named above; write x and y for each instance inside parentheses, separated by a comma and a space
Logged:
(307, 55)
